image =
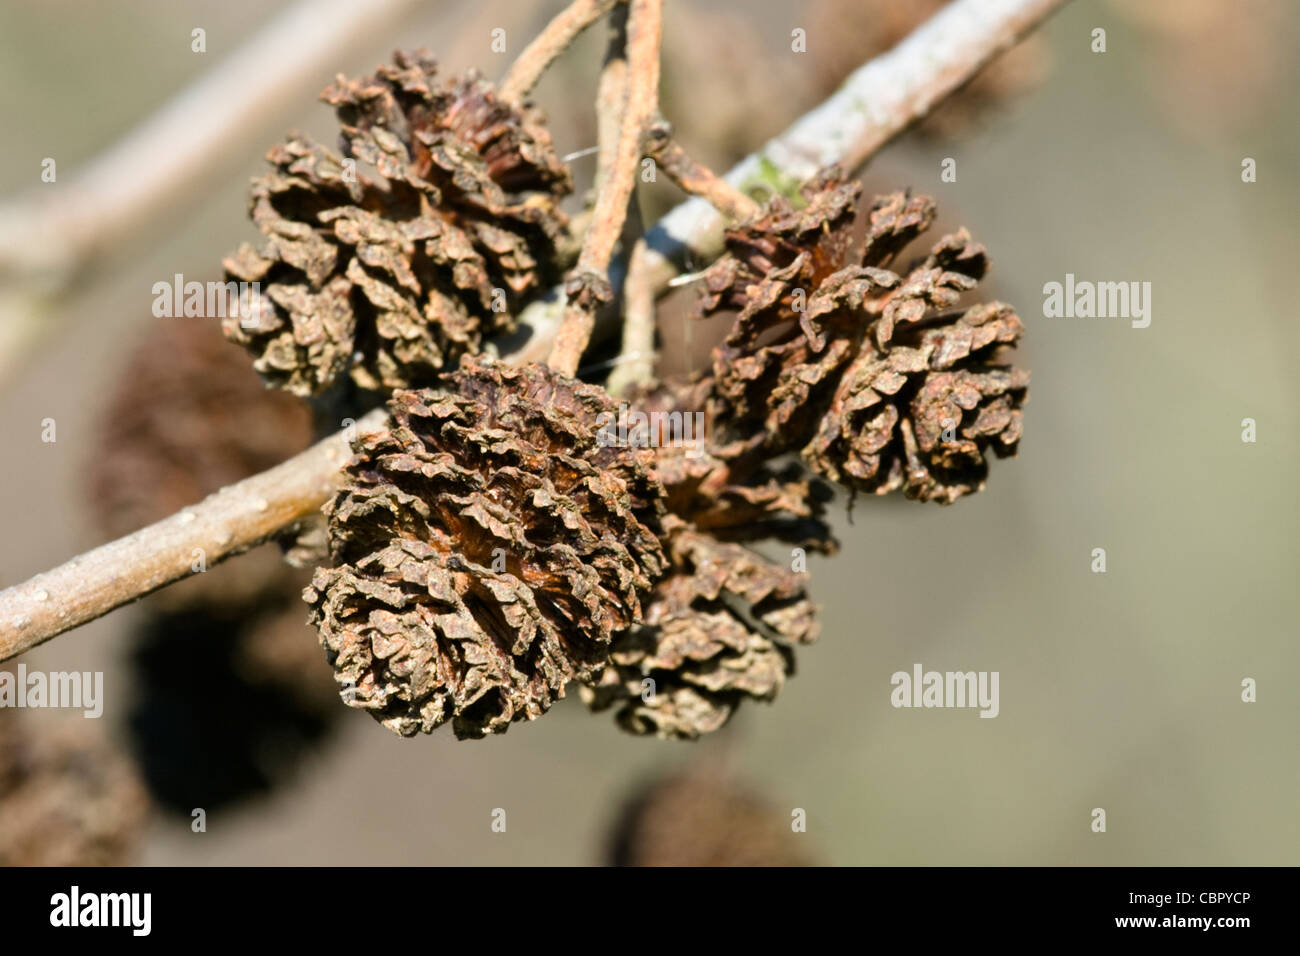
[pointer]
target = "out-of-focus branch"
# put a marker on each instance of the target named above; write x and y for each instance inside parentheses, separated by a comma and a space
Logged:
(55, 230)
(567, 26)
(61, 225)
(588, 288)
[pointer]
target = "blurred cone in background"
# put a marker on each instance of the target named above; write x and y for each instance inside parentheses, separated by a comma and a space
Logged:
(228, 708)
(701, 817)
(67, 798)
(1213, 67)
(233, 688)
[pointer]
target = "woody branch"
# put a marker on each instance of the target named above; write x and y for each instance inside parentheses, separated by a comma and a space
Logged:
(901, 86)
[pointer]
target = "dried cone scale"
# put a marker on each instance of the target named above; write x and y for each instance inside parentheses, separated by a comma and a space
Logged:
(487, 549)
(719, 629)
(736, 501)
(390, 261)
(880, 378)
(721, 626)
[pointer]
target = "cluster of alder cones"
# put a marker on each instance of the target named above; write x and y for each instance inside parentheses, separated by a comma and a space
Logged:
(491, 544)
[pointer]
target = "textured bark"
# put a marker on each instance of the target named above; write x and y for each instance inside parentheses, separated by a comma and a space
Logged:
(588, 288)
(567, 26)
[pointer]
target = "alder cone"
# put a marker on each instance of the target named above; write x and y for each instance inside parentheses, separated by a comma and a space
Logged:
(487, 548)
(881, 379)
(729, 500)
(719, 629)
(67, 798)
(701, 817)
(391, 271)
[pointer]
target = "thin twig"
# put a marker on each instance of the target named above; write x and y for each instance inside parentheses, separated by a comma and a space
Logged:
(611, 101)
(694, 178)
(588, 286)
(641, 97)
(611, 95)
(636, 362)
(956, 43)
(567, 26)
(876, 103)
(637, 352)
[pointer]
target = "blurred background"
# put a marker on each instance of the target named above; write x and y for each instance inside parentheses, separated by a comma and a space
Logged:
(1119, 690)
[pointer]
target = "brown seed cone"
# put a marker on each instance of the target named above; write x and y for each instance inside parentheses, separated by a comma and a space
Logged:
(719, 629)
(730, 500)
(701, 817)
(66, 797)
(187, 418)
(878, 377)
(487, 548)
(394, 273)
